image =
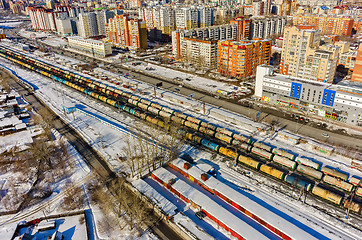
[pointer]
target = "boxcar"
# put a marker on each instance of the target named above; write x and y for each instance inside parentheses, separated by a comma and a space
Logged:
(355, 181)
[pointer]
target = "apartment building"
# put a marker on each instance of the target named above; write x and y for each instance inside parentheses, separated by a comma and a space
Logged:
(44, 19)
(200, 52)
(258, 8)
(329, 25)
(341, 102)
(95, 47)
(206, 16)
(124, 31)
(213, 33)
(102, 18)
(302, 56)
(64, 26)
(87, 25)
(357, 71)
(240, 59)
(243, 26)
(162, 18)
(265, 27)
(187, 17)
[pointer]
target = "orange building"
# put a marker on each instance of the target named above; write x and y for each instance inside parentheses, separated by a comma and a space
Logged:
(357, 70)
(243, 28)
(240, 59)
(327, 24)
(127, 32)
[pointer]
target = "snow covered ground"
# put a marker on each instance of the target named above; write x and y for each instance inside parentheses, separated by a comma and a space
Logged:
(185, 78)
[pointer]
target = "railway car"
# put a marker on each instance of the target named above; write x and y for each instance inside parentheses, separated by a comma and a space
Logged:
(328, 195)
(168, 110)
(227, 152)
(180, 115)
(207, 131)
(178, 120)
(272, 171)
(142, 105)
(297, 182)
(359, 191)
(242, 138)
(355, 181)
(192, 125)
(211, 145)
(208, 125)
(245, 146)
(223, 137)
(353, 206)
(155, 105)
(224, 131)
(249, 162)
(165, 114)
(262, 146)
(193, 137)
(311, 172)
(338, 183)
(334, 173)
(284, 161)
(154, 110)
(283, 153)
(307, 162)
(151, 120)
(194, 120)
(262, 153)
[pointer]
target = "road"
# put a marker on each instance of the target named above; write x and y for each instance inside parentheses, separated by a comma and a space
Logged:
(91, 157)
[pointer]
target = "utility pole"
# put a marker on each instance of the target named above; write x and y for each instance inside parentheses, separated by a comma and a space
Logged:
(203, 107)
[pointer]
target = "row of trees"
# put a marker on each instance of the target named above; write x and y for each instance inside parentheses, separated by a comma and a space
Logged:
(146, 152)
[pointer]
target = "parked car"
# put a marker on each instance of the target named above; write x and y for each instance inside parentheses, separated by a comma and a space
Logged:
(200, 215)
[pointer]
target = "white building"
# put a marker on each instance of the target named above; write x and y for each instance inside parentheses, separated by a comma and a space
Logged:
(64, 26)
(264, 27)
(95, 47)
(341, 102)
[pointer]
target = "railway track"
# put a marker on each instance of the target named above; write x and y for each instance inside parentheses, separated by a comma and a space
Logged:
(91, 157)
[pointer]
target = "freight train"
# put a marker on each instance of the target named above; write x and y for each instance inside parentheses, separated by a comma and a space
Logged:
(231, 142)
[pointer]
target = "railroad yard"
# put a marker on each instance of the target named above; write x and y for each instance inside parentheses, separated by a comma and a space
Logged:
(234, 178)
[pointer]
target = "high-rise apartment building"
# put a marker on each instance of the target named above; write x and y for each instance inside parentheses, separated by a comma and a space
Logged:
(200, 52)
(162, 18)
(264, 27)
(329, 25)
(302, 56)
(357, 70)
(258, 7)
(243, 28)
(44, 19)
(206, 16)
(240, 59)
(213, 33)
(87, 25)
(102, 18)
(127, 32)
(187, 18)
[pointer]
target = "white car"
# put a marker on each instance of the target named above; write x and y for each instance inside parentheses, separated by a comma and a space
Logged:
(325, 135)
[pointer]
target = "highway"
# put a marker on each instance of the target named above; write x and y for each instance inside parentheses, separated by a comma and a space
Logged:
(96, 162)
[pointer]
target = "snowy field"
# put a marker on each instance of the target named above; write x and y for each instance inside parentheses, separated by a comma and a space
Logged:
(106, 130)
(192, 80)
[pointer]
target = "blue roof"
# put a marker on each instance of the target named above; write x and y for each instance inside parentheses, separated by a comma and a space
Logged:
(324, 7)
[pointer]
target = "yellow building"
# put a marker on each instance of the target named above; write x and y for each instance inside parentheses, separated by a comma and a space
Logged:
(302, 56)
